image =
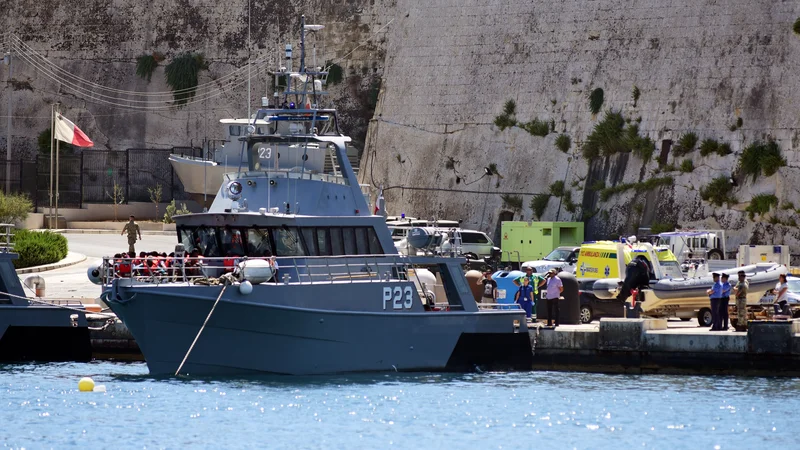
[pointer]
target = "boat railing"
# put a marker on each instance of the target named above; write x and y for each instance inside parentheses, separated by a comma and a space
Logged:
(6, 235)
(289, 270)
(288, 174)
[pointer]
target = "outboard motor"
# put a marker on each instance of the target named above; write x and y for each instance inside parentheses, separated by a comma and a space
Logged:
(637, 276)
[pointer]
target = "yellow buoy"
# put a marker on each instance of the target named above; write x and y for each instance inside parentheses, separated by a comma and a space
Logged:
(86, 384)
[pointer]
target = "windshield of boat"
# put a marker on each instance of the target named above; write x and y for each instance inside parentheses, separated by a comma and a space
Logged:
(794, 285)
(671, 269)
(559, 254)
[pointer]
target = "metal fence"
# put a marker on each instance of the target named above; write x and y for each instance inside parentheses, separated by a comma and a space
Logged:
(91, 176)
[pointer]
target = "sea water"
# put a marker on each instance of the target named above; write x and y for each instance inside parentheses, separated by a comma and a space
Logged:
(41, 407)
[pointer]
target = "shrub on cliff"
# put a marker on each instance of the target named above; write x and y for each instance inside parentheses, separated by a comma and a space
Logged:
(796, 27)
(761, 204)
(36, 248)
(758, 158)
(686, 144)
(596, 99)
(718, 192)
(182, 74)
(539, 204)
(563, 142)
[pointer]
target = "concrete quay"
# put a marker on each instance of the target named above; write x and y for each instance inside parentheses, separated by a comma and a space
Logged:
(647, 346)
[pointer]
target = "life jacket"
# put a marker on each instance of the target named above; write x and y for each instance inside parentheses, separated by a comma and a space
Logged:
(228, 263)
(125, 268)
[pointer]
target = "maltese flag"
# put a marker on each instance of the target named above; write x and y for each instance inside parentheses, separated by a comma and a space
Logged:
(67, 131)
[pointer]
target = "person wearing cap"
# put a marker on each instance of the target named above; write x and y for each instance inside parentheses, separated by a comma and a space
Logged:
(715, 293)
(740, 291)
(553, 292)
(489, 288)
(535, 281)
(724, 301)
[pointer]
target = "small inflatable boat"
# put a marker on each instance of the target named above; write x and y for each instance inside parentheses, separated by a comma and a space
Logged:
(761, 277)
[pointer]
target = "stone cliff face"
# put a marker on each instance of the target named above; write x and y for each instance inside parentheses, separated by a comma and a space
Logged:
(99, 41)
(723, 70)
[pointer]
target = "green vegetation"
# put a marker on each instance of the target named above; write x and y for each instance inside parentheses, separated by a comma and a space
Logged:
(14, 207)
(335, 73)
(557, 189)
(687, 166)
(598, 185)
(658, 227)
(536, 127)
(635, 94)
(43, 143)
(686, 144)
(182, 74)
(569, 205)
(647, 185)
(36, 248)
(173, 210)
(596, 100)
(724, 149)
(718, 192)
(146, 65)
(610, 136)
(563, 143)
(512, 202)
(539, 204)
(708, 146)
(761, 204)
(787, 205)
(508, 118)
(760, 158)
(796, 26)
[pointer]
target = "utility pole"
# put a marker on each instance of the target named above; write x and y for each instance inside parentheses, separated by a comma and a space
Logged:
(10, 90)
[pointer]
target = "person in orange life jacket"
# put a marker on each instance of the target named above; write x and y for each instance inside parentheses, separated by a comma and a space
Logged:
(125, 266)
(525, 297)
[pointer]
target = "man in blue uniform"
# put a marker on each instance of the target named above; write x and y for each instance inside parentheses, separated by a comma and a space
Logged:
(716, 295)
(724, 301)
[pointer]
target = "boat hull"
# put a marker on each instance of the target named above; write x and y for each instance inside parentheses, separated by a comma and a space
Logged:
(253, 335)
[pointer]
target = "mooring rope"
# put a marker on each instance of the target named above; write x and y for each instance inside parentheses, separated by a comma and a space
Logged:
(201, 330)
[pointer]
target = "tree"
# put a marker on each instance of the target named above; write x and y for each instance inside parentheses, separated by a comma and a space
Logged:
(155, 196)
(117, 196)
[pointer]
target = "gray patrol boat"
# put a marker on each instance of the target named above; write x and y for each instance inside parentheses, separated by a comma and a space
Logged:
(290, 272)
(36, 329)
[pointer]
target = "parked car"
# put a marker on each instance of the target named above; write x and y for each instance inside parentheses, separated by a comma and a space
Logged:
(593, 308)
(562, 258)
(474, 244)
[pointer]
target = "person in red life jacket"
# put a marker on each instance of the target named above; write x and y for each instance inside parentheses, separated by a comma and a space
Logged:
(116, 263)
(125, 266)
(228, 263)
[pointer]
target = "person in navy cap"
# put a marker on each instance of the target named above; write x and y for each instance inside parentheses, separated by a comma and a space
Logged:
(716, 295)
(724, 301)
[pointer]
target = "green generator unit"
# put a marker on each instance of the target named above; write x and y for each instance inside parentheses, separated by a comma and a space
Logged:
(535, 240)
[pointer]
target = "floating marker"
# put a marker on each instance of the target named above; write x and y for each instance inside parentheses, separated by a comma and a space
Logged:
(86, 384)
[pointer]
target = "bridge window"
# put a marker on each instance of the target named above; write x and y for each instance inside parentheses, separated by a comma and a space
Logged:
(323, 242)
(349, 241)
(337, 244)
(234, 130)
(287, 242)
(258, 242)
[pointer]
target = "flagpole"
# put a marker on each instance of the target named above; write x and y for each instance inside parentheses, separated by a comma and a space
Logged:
(50, 188)
(56, 185)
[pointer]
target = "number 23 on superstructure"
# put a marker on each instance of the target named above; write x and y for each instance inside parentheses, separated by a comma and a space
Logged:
(398, 297)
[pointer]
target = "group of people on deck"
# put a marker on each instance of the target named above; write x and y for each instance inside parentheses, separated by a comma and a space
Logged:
(148, 264)
(720, 293)
(528, 292)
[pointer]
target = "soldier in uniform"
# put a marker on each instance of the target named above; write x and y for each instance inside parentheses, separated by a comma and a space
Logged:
(133, 229)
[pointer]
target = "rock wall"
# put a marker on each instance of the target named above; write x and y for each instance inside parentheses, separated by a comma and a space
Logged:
(99, 41)
(699, 66)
